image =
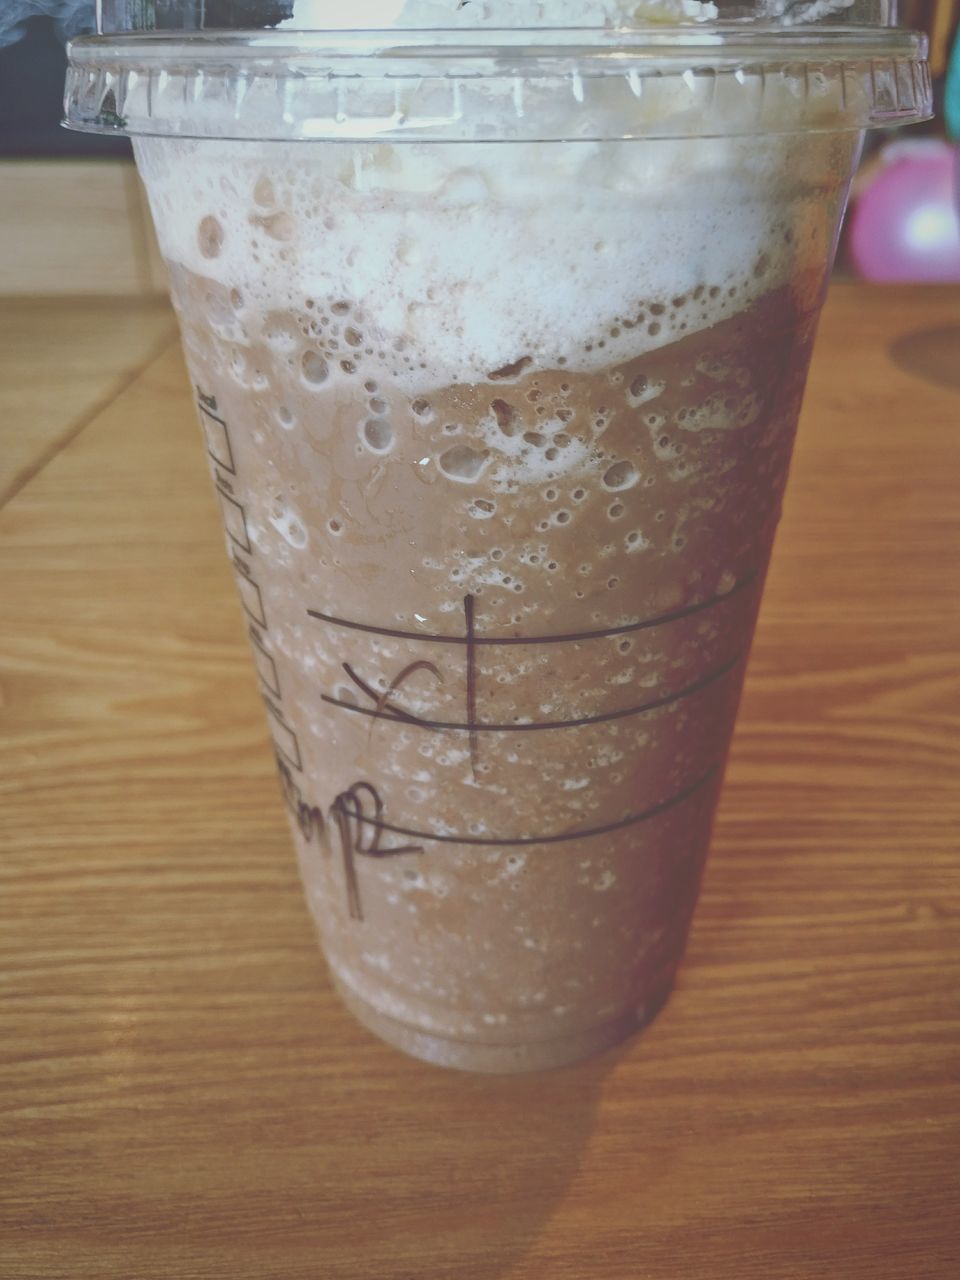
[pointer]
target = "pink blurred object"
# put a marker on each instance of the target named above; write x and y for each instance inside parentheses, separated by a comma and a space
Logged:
(905, 227)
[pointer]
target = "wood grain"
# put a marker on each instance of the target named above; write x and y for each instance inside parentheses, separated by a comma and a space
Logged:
(181, 1094)
(60, 364)
(76, 227)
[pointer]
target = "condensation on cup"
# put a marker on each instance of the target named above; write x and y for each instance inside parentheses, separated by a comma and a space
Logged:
(498, 329)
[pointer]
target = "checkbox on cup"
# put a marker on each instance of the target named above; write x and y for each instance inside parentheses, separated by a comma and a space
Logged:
(235, 521)
(217, 439)
(285, 740)
(250, 595)
(266, 666)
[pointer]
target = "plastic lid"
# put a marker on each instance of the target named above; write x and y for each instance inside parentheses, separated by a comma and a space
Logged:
(268, 69)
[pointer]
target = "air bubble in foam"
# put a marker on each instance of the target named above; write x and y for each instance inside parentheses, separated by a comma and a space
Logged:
(642, 390)
(518, 463)
(238, 366)
(263, 193)
(314, 368)
(463, 463)
(288, 524)
(504, 413)
(278, 226)
(622, 475)
(210, 236)
(378, 435)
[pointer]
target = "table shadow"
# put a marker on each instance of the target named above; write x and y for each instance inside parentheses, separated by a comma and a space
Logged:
(930, 354)
(456, 1174)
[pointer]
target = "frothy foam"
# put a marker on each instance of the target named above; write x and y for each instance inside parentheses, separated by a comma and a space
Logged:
(432, 265)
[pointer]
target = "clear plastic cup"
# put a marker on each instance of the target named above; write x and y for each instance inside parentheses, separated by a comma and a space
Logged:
(499, 339)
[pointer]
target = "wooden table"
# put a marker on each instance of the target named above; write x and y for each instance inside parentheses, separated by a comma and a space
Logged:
(182, 1096)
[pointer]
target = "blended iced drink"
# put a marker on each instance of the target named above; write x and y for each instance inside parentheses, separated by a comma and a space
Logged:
(499, 366)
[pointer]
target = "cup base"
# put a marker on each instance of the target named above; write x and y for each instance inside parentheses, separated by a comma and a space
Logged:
(502, 1059)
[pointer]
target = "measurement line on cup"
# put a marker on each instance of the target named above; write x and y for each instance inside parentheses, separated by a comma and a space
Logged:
(572, 637)
(348, 815)
(400, 716)
(470, 627)
(562, 837)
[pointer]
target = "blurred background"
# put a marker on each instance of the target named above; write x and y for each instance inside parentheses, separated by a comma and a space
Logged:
(76, 221)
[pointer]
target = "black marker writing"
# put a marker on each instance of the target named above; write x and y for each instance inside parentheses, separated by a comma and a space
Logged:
(349, 813)
(308, 817)
(468, 613)
(381, 701)
(357, 814)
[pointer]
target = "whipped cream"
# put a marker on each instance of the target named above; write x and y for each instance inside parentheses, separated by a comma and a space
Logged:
(332, 15)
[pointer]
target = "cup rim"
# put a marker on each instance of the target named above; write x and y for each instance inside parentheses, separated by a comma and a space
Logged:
(570, 83)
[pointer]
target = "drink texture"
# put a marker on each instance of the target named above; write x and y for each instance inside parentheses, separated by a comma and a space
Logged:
(501, 435)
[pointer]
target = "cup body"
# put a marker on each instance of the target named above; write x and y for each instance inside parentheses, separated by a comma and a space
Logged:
(500, 434)
(498, 341)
